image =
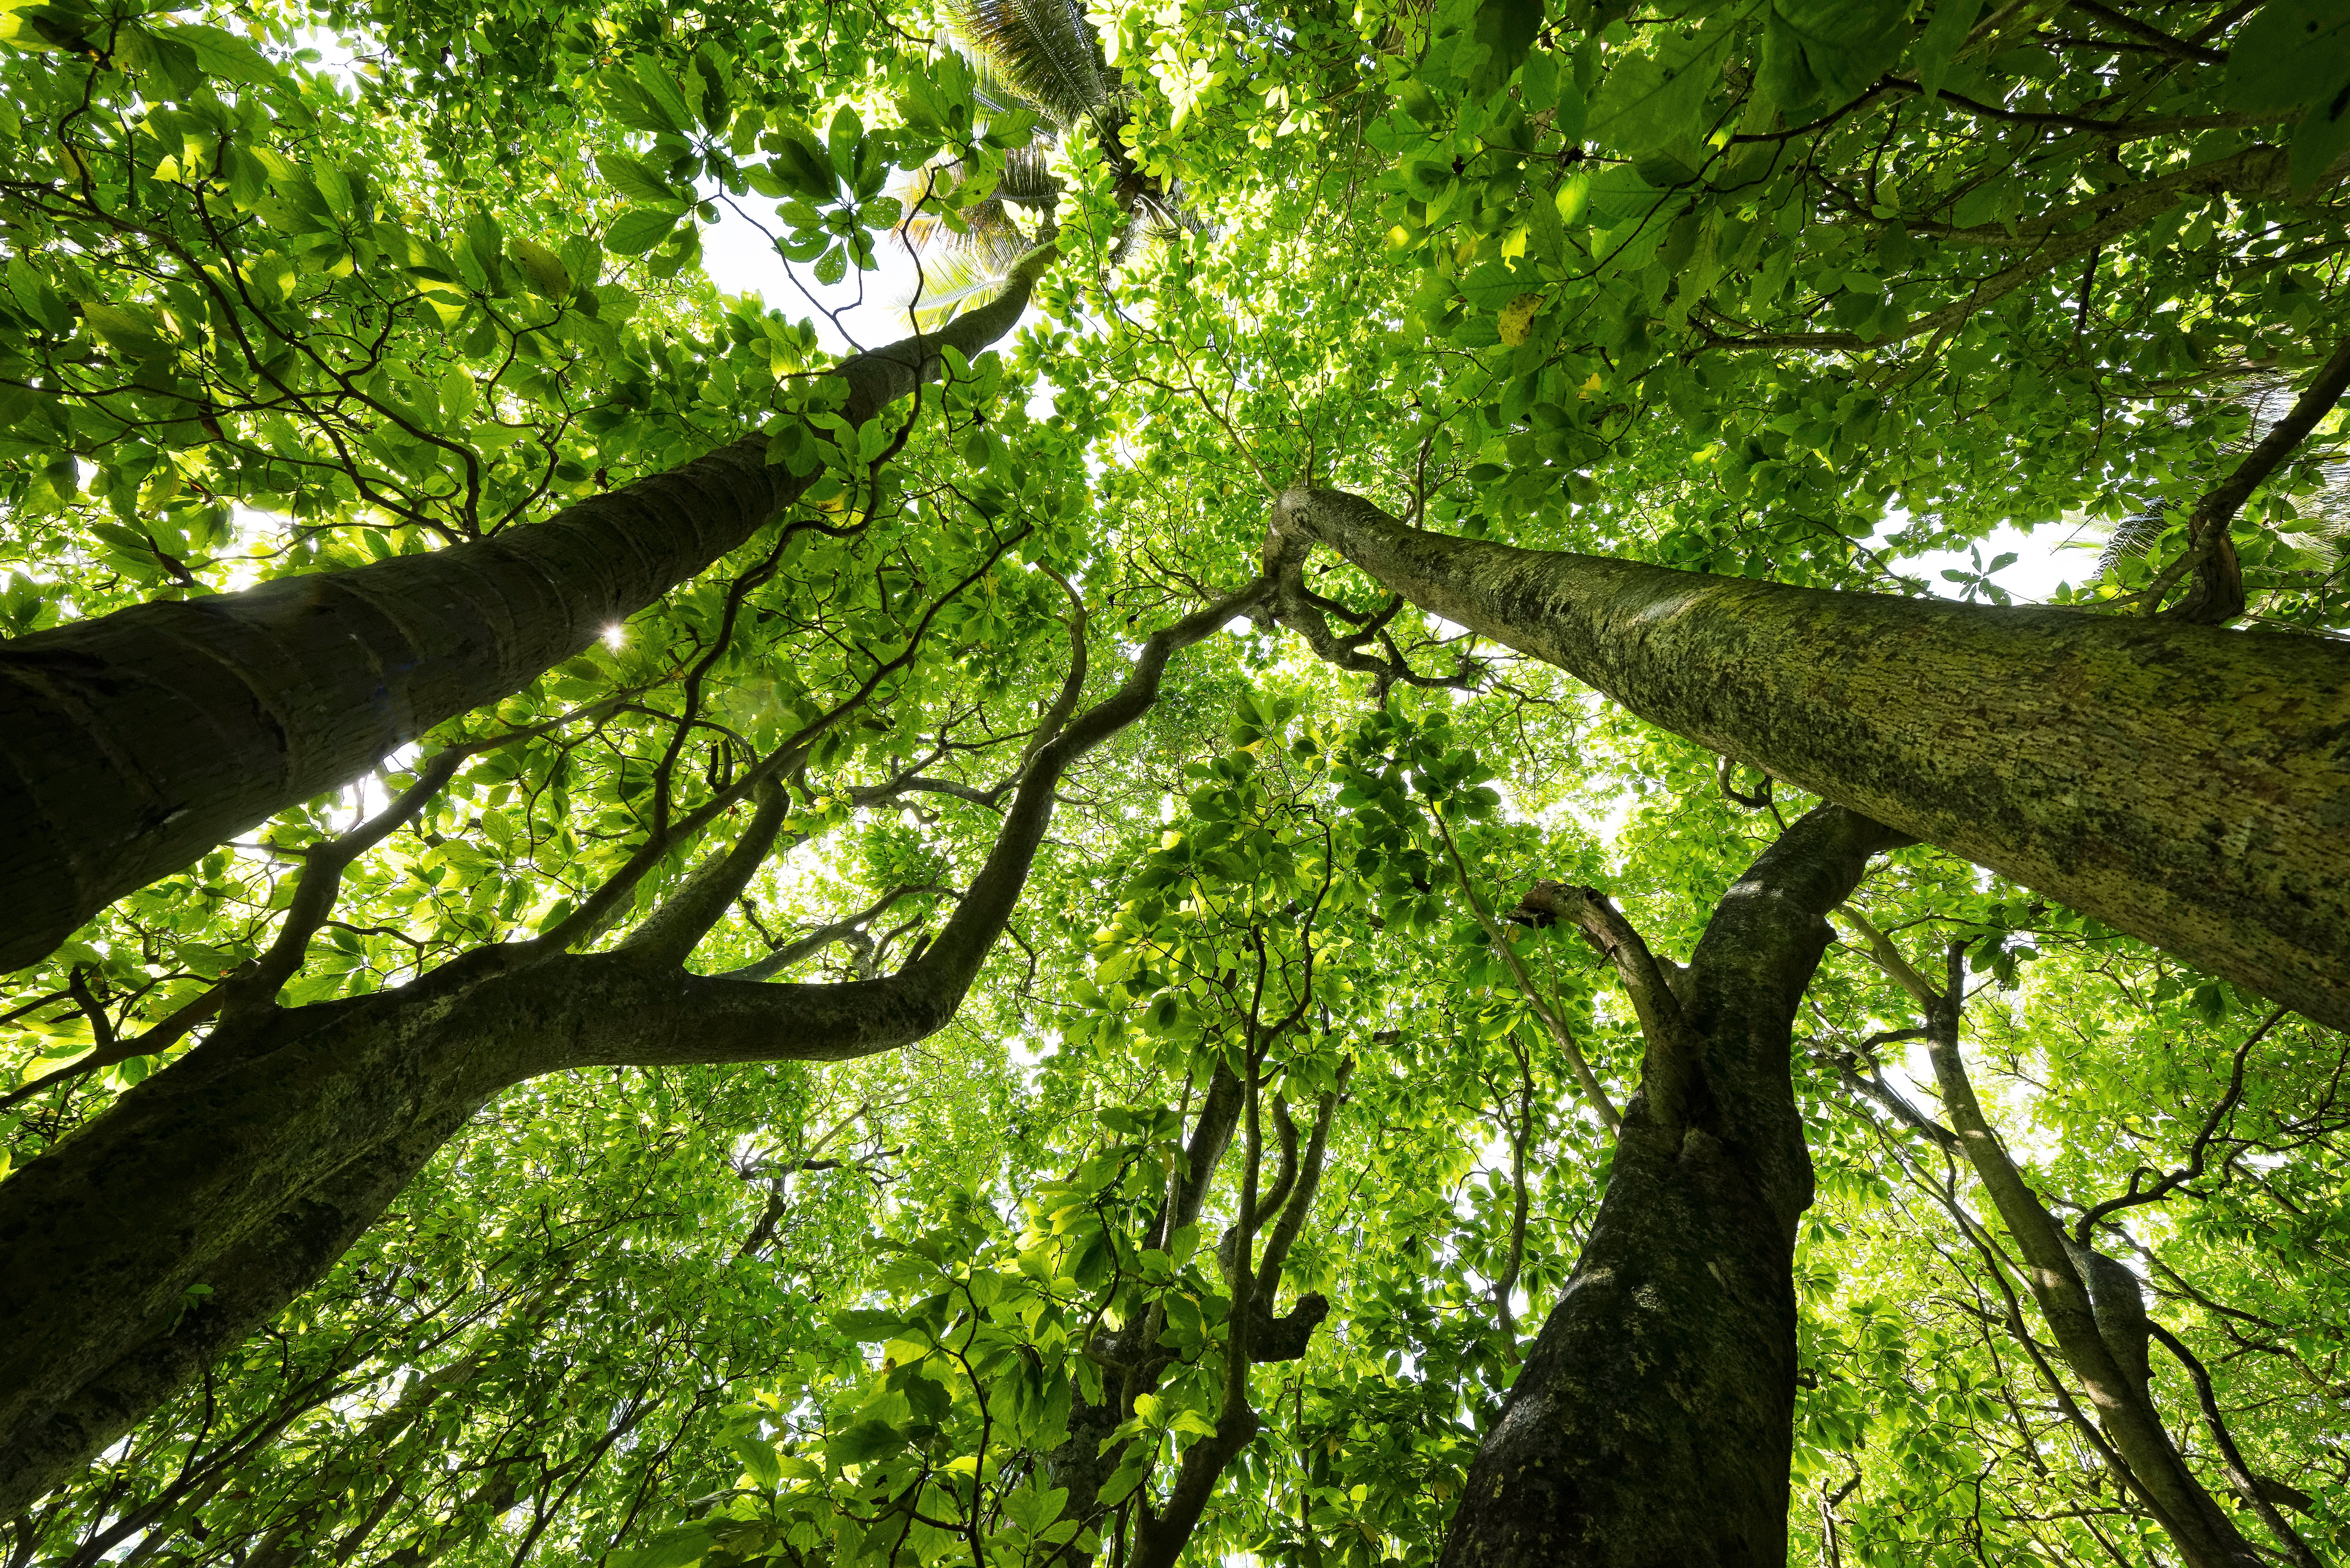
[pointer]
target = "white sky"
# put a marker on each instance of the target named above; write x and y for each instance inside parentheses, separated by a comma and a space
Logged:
(739, 259)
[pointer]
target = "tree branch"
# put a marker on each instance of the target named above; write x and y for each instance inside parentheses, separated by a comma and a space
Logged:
(2216, 594)
(2177, 48)
(2102, 1340)
(801, 949)
(1301, 609)
(1585, 1079)
(2240, 1474)
(674, 928)
(2172, 1180)
(712, 1019)
(1673, 1073)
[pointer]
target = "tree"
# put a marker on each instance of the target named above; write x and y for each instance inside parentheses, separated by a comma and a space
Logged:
(139, 739)
(2200, 820)
(1554, 278)
(2094, 1302)
(313, 1121)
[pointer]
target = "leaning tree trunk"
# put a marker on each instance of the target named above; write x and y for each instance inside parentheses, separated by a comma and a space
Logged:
(2091, 1302)
(132, 743)
(201, 1202)
(2188, 784)
(1653, 1420)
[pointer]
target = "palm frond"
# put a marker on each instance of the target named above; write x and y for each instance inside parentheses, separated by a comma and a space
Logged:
(949, 276)
(1042, 52)
(2134, 535)
(1026, 180)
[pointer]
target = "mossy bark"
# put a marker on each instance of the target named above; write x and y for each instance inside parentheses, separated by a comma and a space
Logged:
(132, 743)
(1651, 1425)
(2188, 784)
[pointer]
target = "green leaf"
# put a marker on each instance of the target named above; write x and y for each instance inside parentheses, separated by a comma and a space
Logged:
(35, 28)
(220, 53)
(937, 96)
(2323, 135)
(677, 1549)
(634, 179)
(1939, 44)
(759, 1459)
(1830, 49)
(802, 165)
(640, 229)
(706, 80)
(841, 139)
(2291, 53)
(863, 1443)
(129, 328)
(867, 1324)
(485, 248)
(543, 268)
(661, 91)
(1650, 100)
(1507, 28)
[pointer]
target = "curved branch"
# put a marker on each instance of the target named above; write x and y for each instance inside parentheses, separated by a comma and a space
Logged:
(2216, 594)
(2165, 1185)
(677, 926)
(1673, 1073)
(1585, 1078)
(801, 949)
(710, 1019)
(2240, 1474)
(2096, 1343)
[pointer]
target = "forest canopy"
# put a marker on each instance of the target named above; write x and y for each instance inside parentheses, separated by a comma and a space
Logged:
(1440, 781)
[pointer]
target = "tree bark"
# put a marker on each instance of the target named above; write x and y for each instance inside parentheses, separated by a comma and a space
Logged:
(249, 1164)
(1652, 1424)
(133, 743)
(2091, 1302)
(2188, 784)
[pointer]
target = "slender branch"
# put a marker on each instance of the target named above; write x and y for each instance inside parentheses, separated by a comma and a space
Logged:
(801, 949)
(1673, 1073)
(1292, 1214)
(2240, 1474)
(315, 894)
(677, 926)
(2166, 1185)
(1887, 957)
(1585, 1079)
(1073, 685)
(1302, 610)
(2178, 49)
(597, 909)
(710, 1018)
(1874, 1087)
(2216, 596)
(2091, 1329)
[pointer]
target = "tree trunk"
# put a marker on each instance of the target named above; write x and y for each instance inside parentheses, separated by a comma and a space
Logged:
(132, 743)
(2091, 1304)
(2188, 784)
(249, 1164)
(1653, 1421)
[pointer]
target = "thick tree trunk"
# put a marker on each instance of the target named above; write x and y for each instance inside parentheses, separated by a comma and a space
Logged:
(132, 743)
(1652, 1423)
(2188, 784)
(249, 1164)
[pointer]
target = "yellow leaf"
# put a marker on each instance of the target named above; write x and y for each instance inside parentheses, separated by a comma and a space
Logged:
(1518, 317)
